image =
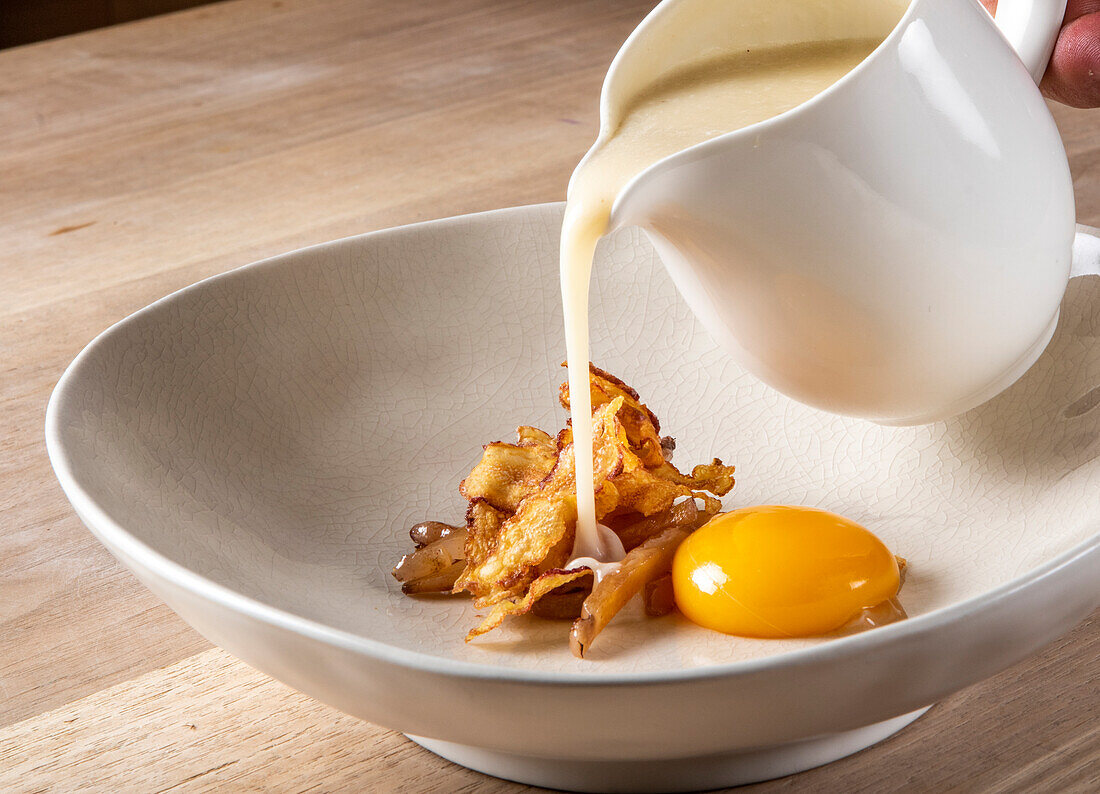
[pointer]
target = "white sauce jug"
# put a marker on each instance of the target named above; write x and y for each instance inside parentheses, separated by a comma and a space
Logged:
(897, 247)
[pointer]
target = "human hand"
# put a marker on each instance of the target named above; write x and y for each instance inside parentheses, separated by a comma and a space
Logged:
(1073, 75)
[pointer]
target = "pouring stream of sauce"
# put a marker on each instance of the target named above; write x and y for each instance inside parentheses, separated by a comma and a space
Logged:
(686, 107)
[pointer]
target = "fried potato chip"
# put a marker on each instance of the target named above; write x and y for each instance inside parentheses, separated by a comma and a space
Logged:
(641, 425)
(507, 473)
(522, 514)
(644, 492)
(539, 534)
(543, 523)
(533, 437)
(483, 523)
(714, 476)
(543, 585)
(610, 449)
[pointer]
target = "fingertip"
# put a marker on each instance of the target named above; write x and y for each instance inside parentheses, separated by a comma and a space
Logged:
(1073, 76)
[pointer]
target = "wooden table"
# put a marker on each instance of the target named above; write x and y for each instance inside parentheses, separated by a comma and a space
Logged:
(138, 159)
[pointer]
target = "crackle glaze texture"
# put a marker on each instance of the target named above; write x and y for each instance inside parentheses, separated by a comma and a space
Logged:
(277, 429)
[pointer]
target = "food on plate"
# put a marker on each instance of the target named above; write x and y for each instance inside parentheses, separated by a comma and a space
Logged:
(767, 571)
(645, 563)
(514, 553)
(438, 560)
(776, 571)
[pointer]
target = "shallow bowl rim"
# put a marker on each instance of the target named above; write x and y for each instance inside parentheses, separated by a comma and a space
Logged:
(124, 544)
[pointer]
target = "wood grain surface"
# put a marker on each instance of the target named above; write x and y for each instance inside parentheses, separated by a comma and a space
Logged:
(138, 159)
(209, 723)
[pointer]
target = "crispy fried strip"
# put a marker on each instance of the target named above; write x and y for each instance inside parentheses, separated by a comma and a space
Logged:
(607, 387)
(441, 582)
(646, 493)
(641, 425)
(543, 525)
(551, 580)
(432, 559)
(533, 437)
(644, 563)
(508, 473)
(711, 506)
(539, 535)
(483, 522)
(715, 476)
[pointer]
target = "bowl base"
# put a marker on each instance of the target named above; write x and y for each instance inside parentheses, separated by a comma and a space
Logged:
(671, 774)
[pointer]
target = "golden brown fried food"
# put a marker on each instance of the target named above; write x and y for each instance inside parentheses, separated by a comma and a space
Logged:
(483, 523)
(539, 534)
(641, 425)
(508, 473)
(522, 513)
(543, 585)
(713, 476)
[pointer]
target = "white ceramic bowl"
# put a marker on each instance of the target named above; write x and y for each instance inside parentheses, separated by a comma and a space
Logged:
(254, 447)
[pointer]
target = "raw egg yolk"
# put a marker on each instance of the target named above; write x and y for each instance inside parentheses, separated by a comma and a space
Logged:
(777, 572)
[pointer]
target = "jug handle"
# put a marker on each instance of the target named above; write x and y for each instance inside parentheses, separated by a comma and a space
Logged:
(1031, 27)
(1086, 252)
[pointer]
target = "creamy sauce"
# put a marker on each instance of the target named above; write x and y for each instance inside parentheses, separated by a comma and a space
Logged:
(685, 108)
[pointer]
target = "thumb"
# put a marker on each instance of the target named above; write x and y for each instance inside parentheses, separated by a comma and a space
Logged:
(1073, 76)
